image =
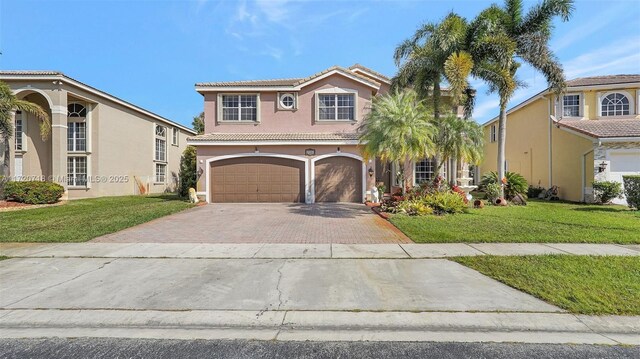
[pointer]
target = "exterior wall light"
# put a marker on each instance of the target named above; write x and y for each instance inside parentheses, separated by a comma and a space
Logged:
(602, 167)
(310, 152)
(370, 172)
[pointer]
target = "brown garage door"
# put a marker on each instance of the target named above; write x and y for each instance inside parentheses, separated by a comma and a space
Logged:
(338, 179)
(257, 179)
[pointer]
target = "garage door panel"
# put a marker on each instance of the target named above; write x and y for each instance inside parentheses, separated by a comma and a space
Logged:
(338, 179)
(257, 179)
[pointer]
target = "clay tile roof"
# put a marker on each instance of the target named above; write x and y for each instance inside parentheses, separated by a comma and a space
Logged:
(29, 72)
(272, 82)
(364, 68)
(603, 80)
(258, 137)
(604, 128)
(290, 82)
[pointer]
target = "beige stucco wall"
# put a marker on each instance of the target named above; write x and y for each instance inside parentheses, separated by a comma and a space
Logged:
(273, 120)
(591, 98)
(121, 142)
(527, 145)
(210, 152)
(567, 165)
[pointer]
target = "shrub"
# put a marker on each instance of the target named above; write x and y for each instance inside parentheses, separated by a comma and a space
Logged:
(534, 192)
(632, 190)
(492, 190)
(34, 192)
(515, 183)
(460, 193)
(188, 173)
(414, 207)
(445, 202)
(605, 191)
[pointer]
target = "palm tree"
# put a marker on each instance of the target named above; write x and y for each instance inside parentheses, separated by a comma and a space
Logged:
(397, 130)
(8, 104)
(459, 139)
(435, 53)
(500, 36)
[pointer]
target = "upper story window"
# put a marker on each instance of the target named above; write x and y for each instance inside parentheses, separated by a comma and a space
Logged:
(493, 133)
(615, 104)
(287, 101)
(571, 106)
(19, 130)
(161, 143)
(77, 136)
(336, 107)
(240, 108)
(174, 136)
(76, 110)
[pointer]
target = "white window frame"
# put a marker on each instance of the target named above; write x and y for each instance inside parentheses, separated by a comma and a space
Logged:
(71, 124)
(175, 136)
(415, 171)
(219, 108)
(23, 133)
(632, 104)
(156, 178)
(156, 138)
(580, 105)
(336, 91)
(281, 106)
(493, 133)
(74, 172)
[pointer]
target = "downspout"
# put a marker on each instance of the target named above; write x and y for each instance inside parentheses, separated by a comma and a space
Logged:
(550, 143)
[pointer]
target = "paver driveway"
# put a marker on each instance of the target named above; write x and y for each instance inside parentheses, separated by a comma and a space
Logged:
(266, 223)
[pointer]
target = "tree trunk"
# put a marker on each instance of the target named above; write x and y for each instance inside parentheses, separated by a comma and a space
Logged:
(502, 136)
(454, 172)
(436, 99)
(5, 169)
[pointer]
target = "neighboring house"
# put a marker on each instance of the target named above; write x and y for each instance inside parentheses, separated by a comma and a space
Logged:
(592, 132)
(290, 140)
(99, 145)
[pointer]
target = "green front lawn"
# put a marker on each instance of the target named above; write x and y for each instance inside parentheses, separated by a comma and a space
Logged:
(539, 221)
(580, 284)
(82, 220)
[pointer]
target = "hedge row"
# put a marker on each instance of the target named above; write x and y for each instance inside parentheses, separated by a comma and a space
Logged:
(33, 192)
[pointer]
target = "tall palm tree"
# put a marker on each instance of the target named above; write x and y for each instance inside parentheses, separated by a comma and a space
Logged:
(8, 104)
(397, 130)
(501, 36)
(435, 53)
(459, 139)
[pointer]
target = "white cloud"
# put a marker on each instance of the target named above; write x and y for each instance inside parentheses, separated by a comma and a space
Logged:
(620, 56)
(584, 30)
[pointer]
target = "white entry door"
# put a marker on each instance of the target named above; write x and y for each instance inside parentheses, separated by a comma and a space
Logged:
(18, 167)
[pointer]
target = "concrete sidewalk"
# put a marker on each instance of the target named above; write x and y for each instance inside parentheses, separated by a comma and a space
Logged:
(323, 326)
(326, 251)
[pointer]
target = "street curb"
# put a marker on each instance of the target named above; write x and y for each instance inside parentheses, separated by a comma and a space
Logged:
(322, 326)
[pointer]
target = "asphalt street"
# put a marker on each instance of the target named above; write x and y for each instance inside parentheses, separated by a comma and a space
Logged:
(135, 348)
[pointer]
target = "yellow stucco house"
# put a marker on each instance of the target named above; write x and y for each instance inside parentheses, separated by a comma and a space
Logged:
(591, 132)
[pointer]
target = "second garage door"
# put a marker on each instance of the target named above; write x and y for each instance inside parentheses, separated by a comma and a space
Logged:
(257, 179)
(338, 179)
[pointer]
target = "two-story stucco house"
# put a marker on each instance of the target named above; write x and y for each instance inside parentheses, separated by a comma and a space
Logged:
(292, 140)
(99, 145)
(591, 132)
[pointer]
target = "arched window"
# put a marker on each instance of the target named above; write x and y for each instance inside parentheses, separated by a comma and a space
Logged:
(76, 110)
(615, 104)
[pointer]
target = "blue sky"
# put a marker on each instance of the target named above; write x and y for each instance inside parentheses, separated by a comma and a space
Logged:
(152, 52)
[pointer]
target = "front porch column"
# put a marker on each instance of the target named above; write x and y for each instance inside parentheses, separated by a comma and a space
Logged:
(7, 164)
(59, 138)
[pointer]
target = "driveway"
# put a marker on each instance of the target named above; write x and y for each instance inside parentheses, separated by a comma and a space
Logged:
(266, 223)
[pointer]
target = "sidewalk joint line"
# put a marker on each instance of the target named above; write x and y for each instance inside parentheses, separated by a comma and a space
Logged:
(558, 249)
(479, 250)
(404, 250)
